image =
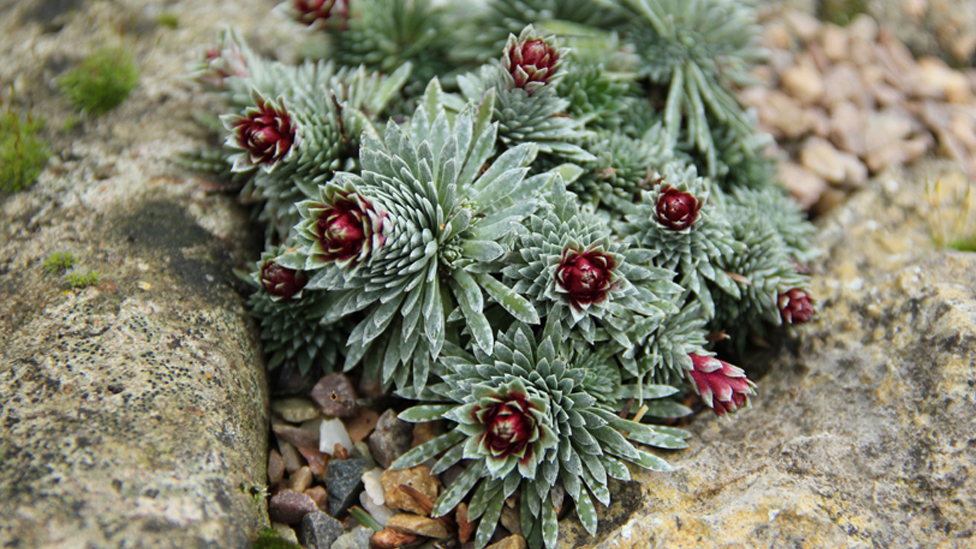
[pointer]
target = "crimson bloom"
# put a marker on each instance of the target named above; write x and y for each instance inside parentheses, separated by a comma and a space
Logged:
(312, 12)
(346, 229)
(795, 307)
(585, 277)
(266, 133)
(722, 386)
(677, 210)
(281, 282)
(531, 63)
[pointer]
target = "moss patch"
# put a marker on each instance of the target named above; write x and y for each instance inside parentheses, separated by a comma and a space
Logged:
(58, 262)
(22, 151)
(101, 82)
(841, 12)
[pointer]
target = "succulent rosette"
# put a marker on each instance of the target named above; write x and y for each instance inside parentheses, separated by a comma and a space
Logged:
(291, 317)
(795, 307)
(526, 421)
(528, 108)
(444, 219)
(676, 218)
(265, 133)
(763, 269)
(582, 281)
(661, 355)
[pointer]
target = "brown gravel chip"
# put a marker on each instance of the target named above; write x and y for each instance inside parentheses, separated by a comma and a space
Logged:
(418, 478)
(335, 396)
(514, 541)
(317, 461)
(407, 523)
(276, 468)
(300, 480)
(391, 438)
(319, 496)
(289, 507)
(389, 539)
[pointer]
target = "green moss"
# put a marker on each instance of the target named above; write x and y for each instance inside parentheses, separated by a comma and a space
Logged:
(964, 244)
(269, 539)
(168, 19)
(70, 123)
(22, 151)
(79, 279)
(101, 82)
(841, 12)
(58, 262)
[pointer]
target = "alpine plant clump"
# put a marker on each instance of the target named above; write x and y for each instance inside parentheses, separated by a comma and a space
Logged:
(539, 228)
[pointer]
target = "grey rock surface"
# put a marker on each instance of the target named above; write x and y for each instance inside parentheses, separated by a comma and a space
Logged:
(319, 531)
(343, 482)
(134, 412)
(391, 438)
(862, 434)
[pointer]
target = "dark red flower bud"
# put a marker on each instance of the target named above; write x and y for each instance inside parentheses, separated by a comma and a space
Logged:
(585, 277)
(510, 426)
(722, 386)
(310, 12)
(281, 281)
(532, 61)
(266, 133)
(677, 210)
(347, 226)
(795, 307)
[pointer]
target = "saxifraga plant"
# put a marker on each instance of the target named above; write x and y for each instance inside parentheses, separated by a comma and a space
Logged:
(531, 248)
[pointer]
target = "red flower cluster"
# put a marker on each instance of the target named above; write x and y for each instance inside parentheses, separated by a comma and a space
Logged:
(722, 386)
(795, 307)
(585, 277)
(310, 12)
(281, 282)
(677, 210)
(266, 133)
(342, 228)
(531, 61)
(510, 427)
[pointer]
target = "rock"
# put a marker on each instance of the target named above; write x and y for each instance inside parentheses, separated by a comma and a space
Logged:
(300, 480)
(418, 478)
(835, 43)
(289, 507)
(380, 513)
(333, 432)
(863, 27)
(317, 461)
(391, 439)
(343, 483)
(295, 410)
(511, 520)
(842, 83)
(373, 486)
(806, 27)
(937, 80)
(335, 396)
(319, 496)
(276, 468)
(804, 82)
(289, 455)
(406, 523)
(426, 432)
(514, 541)
(389, 539)
(821, 158)
(358, 538)
(130, 417)
(847, 128)
(285, 532)
(319, 531)
(296, 436)
(861, 435)
(361, 425)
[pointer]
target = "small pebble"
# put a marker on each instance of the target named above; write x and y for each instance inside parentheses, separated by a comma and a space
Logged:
(357, 538)
(319, 531)
(391, 438)
(289, 455)
(295, 410)
(407, 523)
(389, 539)
(380, 513)
(295, 436)
(300, 480)
(514, 541)
(289, 507)
(335, 396)
(343, 482)
(319, 496)
(360, 426)
(285, 532)
(317, 461)
(276, 467)
(331, 433)
(418, 478)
